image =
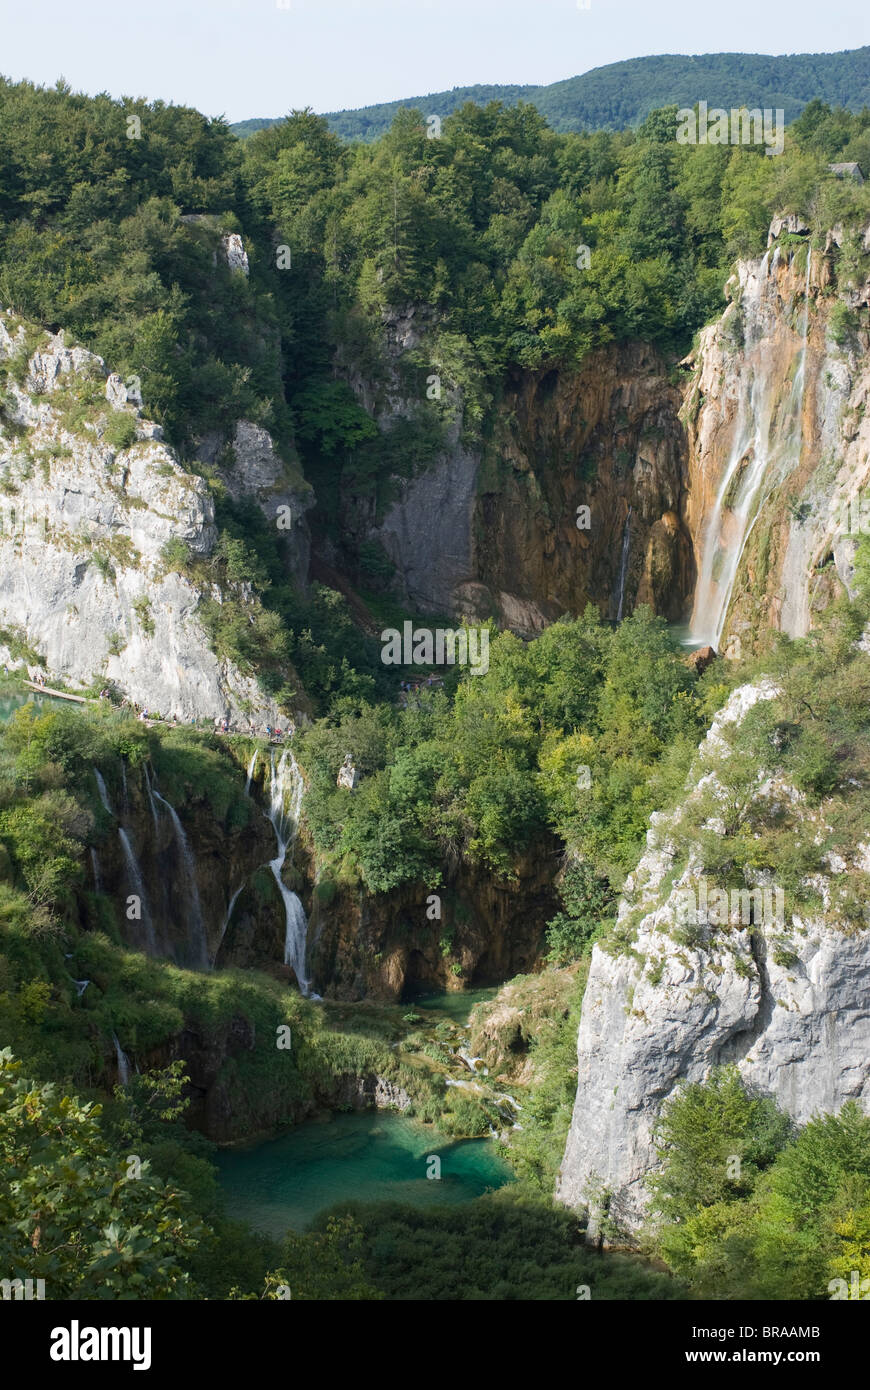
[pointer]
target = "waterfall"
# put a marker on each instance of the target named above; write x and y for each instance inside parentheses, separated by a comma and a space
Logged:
(150, 795)
(101, 788)
(81, 986)
(250, 776)
(138, 886)
(226, 921)
(98, 877)
(623, 564)
(766, 447)
(285, 803)
(122, 1060)
(198, 929)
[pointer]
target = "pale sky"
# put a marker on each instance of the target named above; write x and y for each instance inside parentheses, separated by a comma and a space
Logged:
(243, 58)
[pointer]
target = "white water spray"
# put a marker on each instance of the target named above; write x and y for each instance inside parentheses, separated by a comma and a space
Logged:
(150, 795)
(285, 803)
(123, 1061)
(101, 788)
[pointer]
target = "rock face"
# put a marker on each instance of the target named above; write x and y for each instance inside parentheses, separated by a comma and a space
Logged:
(249, 467)
(493, 529)
(607, 438)
(389, 945)
(786, 1002)
(84, 524)
(779, 439)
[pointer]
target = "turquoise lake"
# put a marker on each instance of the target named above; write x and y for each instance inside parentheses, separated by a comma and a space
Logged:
(361, 1157)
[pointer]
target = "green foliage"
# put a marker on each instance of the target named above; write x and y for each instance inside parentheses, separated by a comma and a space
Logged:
(753, 1210)
(588, 902)
(505, 1246)
(69, 1212)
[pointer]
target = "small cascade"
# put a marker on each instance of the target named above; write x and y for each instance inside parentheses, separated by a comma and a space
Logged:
(101, 788)
(81, 986)
(138, 885)
(766, 446)
(197, 934)
(95, 865)
(250, 777)
(472, 1063)
(150, 795)
(226, 922)
(123, 1061)
(623, 564)
(285, 804)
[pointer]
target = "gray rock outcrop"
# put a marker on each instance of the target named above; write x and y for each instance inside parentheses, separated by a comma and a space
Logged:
(787, 1002)
(84, 523)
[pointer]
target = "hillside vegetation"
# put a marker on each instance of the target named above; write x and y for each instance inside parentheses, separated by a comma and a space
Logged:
(619, 95)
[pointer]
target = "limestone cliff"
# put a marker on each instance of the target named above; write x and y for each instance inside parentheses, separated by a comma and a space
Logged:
(90, 496)
(786, 1001)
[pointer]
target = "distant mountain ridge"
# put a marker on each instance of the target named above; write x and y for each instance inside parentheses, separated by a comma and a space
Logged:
(623, 94)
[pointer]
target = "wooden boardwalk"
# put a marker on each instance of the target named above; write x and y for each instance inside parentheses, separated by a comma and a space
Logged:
(58, 694)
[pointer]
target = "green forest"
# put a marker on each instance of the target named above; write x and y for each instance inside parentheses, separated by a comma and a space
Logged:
(622, 95)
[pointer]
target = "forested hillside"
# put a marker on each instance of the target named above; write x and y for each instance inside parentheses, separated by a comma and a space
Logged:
(621, 95)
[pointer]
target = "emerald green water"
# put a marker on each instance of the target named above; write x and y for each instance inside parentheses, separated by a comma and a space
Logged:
(368, 1157)
(456, 1006)
(9, 703)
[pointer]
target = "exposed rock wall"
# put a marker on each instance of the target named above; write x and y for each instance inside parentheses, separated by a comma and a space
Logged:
(787, 1003)
(388, 946)
(84, 523)
(491, 527)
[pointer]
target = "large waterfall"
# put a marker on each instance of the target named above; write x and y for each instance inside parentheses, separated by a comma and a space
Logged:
(285, 803)
(765, 444)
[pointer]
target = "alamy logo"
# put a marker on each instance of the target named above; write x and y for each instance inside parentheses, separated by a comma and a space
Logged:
(749, 907)
(21, 1289)
(739, 127)
(421, 646)
(75, 1343)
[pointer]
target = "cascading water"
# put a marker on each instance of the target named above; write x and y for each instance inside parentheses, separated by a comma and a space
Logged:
(150, 796)
(123, 1061)
(197, 937)
(226, 922)
(251, 766)
(285, 803)
(101, 788)
(766, 446)
(138, 886)
(95, 865)
(623, 564)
